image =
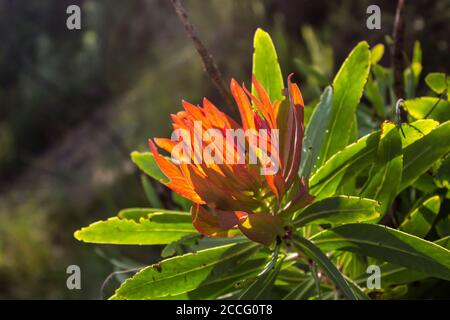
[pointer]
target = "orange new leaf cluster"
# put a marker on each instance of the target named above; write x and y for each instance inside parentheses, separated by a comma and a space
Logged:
(233, 198)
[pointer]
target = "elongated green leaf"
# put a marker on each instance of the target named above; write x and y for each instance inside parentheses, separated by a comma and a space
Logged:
(416, 130)
(181, 201)
(425, 184)
(320, 53)
(150, 192)
(325, 264)
(348, 87)
(138, 213)
(383, 78)
(438, 82)
(260, 288)
(351, 264)
(389, 245)
(419, 221)
(432, 107)
(423, 153)
(292, 274)
(412, 73)
(356, 157)
(173, 247)
(338, 210)
(373, 93)
(442, 177)
(411, 79)
(377, 53)
(443, 226)
(225, 283)
(157, 228)
(417, 52)
(312, 71)
(185, 273)
(315, 132)
(386, 173)
(302, 291)
(147, 163)
(392, 274)
(344, 164)
(357, 290)
(266, 67)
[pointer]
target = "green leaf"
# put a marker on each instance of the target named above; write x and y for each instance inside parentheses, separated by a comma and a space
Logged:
(433, 108)
(344, 165)
(320, 53)
(224, 284)
(338, 210)
(444, 242)
(185, 273)
(348, 87)
(416, 130)
(423, 153)
(172, 248)
(260, 288)
(356, 157)
(313, 252)
(183, 202)
(377, 53)
(293, 273)
(351, 264)
(373, 93)
(443, 226)
(147, 163)
(315, 132)
(419, 221)
(438, 82)
(157, 228)
(137, 213)
(389, 245)
(386, 172)
(411, 79)
(360, 294)
(417, 52)
(302, 291)
(392, 274)
(425, 183)
(150, 193)
(266, 67)
(412, 73)
(442, 177)
(312, 71)
(383, 78)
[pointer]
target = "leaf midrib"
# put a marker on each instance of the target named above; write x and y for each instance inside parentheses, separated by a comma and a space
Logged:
(203, 266)
(330, 211)
(325, 181)
(375, 244)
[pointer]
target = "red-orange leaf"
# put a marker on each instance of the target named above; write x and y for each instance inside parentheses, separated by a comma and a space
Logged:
(262, 227)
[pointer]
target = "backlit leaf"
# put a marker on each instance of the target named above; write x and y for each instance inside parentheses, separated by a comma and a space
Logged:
(389, 245)
(185, 273)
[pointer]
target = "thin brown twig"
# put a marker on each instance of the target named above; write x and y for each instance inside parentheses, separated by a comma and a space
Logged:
(209, 64)
(397, 55)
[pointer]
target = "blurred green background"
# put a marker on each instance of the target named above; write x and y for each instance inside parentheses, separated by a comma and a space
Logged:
(74, 104)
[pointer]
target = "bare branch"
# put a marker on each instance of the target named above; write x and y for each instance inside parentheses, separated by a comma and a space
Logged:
(208, 62)
(397, 55)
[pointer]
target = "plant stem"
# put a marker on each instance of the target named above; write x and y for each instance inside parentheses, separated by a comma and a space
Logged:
(209, 64)
(397, 55)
